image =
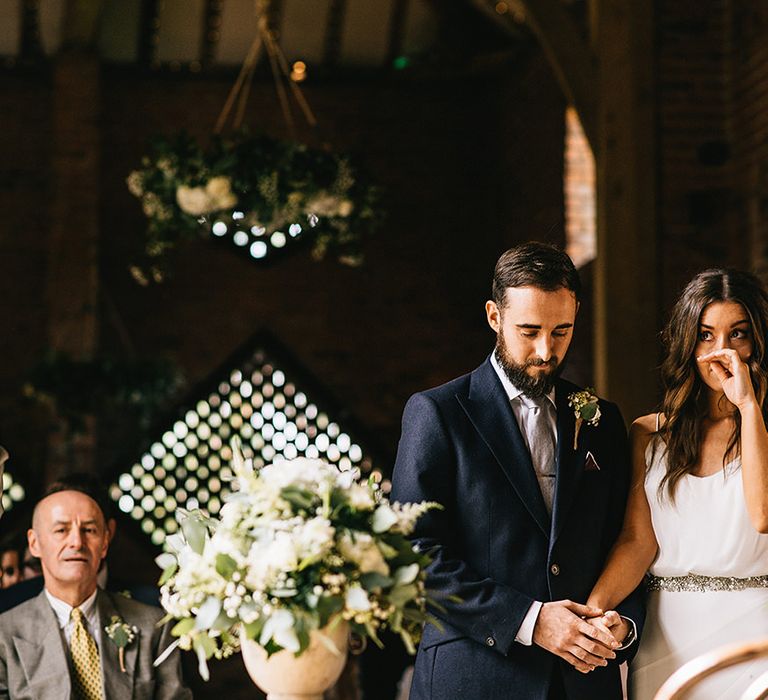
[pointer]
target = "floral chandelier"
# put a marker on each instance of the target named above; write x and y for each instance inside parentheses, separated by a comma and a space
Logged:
(262, 195)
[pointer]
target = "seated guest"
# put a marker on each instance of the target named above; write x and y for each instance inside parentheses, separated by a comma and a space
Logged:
(10, 561)
(90, 485)
(3, 460)
(30, 568)
(29, 586)
(57, 645)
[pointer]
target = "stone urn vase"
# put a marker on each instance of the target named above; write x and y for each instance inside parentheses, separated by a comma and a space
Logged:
(284, 676)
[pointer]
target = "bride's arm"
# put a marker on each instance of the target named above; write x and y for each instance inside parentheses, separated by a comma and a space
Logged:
(636, 545)
(754, 464)
(737, 385)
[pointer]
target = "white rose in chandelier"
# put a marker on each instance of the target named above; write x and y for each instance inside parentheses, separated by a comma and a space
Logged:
(215, 196)
(193, 200)
(324, 204)
(219, 189)
(345, 207)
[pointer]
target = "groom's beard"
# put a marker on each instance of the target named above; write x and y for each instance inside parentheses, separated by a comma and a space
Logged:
(535, 386)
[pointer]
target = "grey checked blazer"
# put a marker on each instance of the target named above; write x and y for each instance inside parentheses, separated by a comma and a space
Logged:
(34, 661)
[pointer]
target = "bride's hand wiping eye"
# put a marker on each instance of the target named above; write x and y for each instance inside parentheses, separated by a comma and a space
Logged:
(733, 374)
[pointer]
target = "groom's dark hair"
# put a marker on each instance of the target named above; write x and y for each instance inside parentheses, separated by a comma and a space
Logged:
(537, 265)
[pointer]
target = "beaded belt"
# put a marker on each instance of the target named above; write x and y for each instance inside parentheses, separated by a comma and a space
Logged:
(695, 583)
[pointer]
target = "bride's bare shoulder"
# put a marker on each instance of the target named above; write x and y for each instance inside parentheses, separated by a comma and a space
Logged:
(645, 426)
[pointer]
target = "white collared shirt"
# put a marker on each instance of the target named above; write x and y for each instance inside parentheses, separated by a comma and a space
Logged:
(525, 632)
(63, 612)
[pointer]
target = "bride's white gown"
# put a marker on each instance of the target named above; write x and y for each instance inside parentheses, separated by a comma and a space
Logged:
(706, 531)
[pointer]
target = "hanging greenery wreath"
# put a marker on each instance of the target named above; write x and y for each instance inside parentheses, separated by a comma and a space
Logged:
(263, 193)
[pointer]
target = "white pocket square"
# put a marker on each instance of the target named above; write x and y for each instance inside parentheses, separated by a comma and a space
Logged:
(590, 463)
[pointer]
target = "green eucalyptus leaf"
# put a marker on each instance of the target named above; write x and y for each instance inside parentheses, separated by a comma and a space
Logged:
(203, 643)
(400, 595)
(372, 581)
(194, 533)
(183, 626)
(225, 565)
(253, 629)
(297, 497)
(168, 573)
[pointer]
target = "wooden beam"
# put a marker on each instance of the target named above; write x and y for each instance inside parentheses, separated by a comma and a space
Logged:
(506, 21)
(82, 19)
(627, 311)
(334, 30)
(30, 30)
(149, 26)
(571, 58)
(396, 31)
(211, 32)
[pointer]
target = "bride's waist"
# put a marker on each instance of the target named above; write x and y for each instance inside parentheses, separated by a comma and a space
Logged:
(699, 583)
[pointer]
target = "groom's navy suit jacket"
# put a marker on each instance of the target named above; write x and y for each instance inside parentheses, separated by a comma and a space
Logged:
(496, 547)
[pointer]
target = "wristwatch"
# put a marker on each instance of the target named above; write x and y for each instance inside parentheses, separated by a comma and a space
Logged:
(631, 635)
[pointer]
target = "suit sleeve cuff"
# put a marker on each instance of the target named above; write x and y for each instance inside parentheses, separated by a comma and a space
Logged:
(525, 632)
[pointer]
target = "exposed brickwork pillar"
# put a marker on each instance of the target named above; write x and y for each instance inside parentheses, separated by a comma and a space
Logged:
(580, 194)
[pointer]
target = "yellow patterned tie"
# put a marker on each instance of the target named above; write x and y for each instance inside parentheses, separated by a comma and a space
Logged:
(85, 661)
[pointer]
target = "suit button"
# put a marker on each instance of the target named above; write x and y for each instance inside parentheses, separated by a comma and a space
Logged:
(555, 569)
(490, 641)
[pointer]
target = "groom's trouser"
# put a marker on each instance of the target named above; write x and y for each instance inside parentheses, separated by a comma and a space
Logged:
(557, 690)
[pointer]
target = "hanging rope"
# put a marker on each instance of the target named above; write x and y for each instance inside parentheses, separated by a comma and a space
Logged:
(246, 72)
(281, 73)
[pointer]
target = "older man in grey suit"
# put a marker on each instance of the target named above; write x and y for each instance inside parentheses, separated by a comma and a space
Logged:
(57, 646)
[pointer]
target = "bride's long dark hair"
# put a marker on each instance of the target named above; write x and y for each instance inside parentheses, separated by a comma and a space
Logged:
(684, 404)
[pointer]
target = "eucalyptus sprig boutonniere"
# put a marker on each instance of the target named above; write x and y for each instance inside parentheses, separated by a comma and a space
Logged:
(586, 408)
(121, 634)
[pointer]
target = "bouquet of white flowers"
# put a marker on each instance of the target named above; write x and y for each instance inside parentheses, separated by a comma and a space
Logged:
(298, 545)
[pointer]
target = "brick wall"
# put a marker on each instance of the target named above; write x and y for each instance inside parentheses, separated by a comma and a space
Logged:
(471, 165)
(749, 26)
(700, 212)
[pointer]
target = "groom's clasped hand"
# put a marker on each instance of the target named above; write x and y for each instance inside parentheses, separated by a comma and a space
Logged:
(580, 634)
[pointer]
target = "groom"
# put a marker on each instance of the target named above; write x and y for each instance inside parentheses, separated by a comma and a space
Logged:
(532, 507)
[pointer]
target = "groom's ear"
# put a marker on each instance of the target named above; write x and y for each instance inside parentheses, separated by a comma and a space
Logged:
(493, 315)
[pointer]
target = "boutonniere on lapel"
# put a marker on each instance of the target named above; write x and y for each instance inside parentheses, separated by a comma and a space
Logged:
(121, 634)
(586, 409)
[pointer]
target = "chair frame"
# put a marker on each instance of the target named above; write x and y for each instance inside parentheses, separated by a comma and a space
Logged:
(688, 676)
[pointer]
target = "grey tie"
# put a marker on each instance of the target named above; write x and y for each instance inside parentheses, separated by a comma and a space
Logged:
(541, 442)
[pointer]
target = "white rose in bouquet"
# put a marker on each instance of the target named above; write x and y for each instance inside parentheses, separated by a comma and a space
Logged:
(298, 545)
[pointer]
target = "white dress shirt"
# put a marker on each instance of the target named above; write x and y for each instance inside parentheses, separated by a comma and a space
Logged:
(63, 612)
(522, 416)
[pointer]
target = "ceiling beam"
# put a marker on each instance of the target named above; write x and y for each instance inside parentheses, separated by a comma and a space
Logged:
(82, 19)
(571, 59)
(565, 46)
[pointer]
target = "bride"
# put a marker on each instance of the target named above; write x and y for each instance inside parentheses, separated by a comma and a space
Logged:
(697, 512)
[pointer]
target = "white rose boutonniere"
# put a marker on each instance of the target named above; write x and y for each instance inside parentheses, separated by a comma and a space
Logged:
(586, 408)
(121, 634)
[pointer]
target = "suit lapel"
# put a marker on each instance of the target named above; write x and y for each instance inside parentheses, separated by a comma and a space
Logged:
(487, 407)
(44, 660)
(117, 684)
(568, 462)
